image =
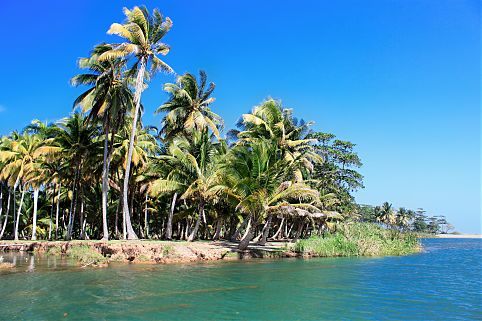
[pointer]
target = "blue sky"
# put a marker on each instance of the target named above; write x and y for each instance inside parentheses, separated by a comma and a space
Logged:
(401, 79)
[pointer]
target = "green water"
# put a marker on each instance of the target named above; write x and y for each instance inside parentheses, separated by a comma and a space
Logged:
(443, 283)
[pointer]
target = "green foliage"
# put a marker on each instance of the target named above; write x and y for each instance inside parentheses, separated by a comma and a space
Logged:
(359, 239)
(86, 255)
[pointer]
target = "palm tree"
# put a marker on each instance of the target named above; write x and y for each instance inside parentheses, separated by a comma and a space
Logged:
(24, 162)
(145, 147)
(192, 165)
(259, 178)
(188, 107)
(77, 146)
(272, 121)
(108, 100)
(143, 33)
(387, 215)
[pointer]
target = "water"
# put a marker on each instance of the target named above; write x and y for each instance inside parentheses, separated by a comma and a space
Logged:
(443, 283)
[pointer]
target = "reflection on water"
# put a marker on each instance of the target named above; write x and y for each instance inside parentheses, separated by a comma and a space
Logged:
(443, 283)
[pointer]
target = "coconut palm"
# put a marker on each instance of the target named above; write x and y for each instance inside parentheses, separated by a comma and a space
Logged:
(143, 33)
(107, 100)
(193, 164)
(259, 178)
(24, 166)
(78, 146)
(270, 120)
(188, 106)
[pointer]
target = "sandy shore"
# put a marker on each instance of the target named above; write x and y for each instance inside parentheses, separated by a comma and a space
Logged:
(460, 236)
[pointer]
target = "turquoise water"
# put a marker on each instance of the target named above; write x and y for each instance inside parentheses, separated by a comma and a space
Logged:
(443, 283)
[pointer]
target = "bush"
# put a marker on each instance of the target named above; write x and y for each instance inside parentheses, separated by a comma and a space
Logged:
(86, 255)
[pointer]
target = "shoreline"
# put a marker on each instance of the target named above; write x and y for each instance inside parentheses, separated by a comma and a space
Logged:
(100, 253)
(459, 236)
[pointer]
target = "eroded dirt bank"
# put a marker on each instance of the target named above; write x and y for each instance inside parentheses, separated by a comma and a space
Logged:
(144, 251)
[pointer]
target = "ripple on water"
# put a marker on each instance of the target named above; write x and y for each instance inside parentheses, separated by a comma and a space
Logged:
(442, 283)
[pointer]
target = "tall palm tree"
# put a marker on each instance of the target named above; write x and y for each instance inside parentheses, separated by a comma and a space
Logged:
(108, 99)
(76, 140)
(143, 33)
(145, 147)
(188, 106)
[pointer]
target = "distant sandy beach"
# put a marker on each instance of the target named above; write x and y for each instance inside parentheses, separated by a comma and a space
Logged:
(460, 236)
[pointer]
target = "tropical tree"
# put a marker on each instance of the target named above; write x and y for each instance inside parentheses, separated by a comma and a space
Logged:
(107, 100)
(259, 179)
(188, 107)
(143, 33)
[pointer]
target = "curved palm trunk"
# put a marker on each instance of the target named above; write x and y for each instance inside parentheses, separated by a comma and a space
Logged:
(5, 221)
(105, 182)
(280, 229)
(131, 235)
(247, 237)
(193, 234)
(18, 215)
(169, 219)
(35, 204)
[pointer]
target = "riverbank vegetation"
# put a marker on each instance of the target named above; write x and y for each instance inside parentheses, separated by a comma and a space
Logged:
(101, 173)
(359, 239)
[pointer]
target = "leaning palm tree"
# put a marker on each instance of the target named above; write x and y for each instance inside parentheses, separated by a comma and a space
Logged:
(188, 107)
(143, 33)
(107, 100)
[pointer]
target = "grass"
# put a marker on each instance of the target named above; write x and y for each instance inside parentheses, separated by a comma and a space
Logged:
(359, 239)
(86, 255)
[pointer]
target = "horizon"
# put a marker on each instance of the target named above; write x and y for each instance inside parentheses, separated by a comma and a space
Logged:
(401, 81)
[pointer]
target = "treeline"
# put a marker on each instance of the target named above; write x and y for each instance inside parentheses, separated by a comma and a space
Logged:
(403, 219)
(101, 173)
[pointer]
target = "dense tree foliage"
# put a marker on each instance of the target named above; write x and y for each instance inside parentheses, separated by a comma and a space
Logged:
(100, 173)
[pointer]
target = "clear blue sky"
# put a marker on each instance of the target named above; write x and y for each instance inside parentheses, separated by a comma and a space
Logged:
(401, 79)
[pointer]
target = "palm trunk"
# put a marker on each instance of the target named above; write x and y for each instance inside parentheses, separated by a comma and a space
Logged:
(18, 215)
(34, 223)
(116, 230)
(266, 229)
(51, 212)
(238, 230)
(137, 99)
(169, 219)
(82, 219)
(105, 182)
(73, 207)
(5, 221)
(217, 234)
(146, 223)
(57, 212)
(193, 234)
(247, 237)
(280, 229)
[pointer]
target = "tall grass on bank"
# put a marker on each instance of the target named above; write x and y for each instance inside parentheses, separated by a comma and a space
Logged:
(359, 239)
